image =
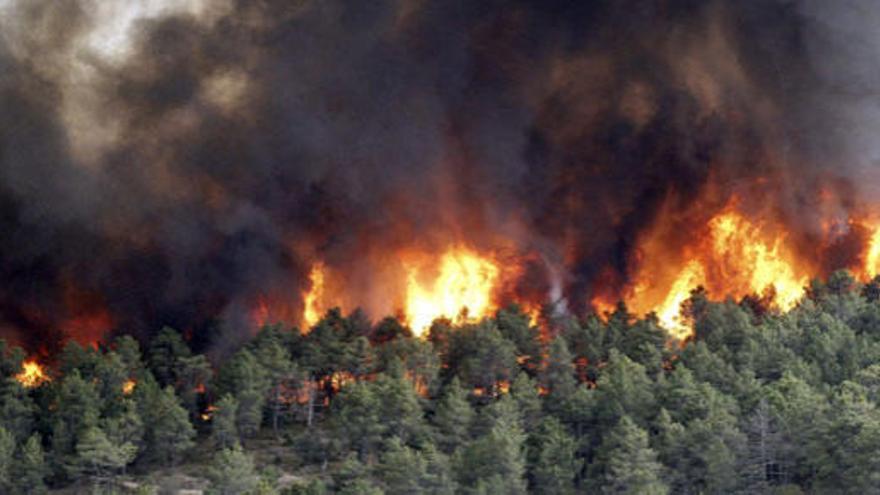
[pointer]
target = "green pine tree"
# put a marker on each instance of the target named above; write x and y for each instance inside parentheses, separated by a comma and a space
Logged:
(101, 459)
(553, 464)
(453, 417)
(232, 472)
(629, 465)
(7, 458)
(223, 422)
(172, 432)
(30, 469)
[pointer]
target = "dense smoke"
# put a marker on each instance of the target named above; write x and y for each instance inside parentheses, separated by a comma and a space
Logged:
(168, 164)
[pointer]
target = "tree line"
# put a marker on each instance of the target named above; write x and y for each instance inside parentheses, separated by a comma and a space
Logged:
(757, 401)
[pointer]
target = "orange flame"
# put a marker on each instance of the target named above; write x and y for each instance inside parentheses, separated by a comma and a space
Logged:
(736, 257)
(32, 374)
(312, 298)
(128, 386)
(208, 413)
(872, 255)
(461, 291)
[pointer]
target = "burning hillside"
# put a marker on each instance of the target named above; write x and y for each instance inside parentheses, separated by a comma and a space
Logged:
(214, 166)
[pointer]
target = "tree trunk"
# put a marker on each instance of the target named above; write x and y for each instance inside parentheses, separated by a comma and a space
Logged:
(311, 410)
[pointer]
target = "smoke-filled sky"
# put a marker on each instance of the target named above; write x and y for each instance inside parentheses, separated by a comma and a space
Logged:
(168, 162)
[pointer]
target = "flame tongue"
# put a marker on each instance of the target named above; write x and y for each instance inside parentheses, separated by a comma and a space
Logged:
(462, 290)
(736, 257)
(872, 256)
(314, 296)
(32, 374)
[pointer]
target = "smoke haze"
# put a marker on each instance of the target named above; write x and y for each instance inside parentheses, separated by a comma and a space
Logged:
(164, 163)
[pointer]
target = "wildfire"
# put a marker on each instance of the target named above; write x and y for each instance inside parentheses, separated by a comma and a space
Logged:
(312, 298)
(128, 386)
(462, 290)
(208, 413)
(668, 312)
(736, 257)
(872, 255)
(32, 374)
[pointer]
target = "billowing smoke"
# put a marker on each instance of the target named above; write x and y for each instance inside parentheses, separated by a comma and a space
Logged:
(175, 164)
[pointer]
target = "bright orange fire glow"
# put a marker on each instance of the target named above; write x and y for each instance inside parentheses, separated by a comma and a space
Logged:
(872, 255)
(691, 276)
(128, 386)
(32, 374)
(736, 257)
(313, 297)
(462, 290)
(209, 413)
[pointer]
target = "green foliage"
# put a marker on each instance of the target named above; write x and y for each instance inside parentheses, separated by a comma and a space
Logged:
(356, 418)
(758, 401)
(30, 469)
(223, 422)
(171, 433)
(232, 472)
(626, 464)
(399, 409)
(495, 461)
(166, 351)
(403, 470)
(99, 457)
(7, 459)
(453, 417)
(481, 357)
(552, 463)
(558, 377)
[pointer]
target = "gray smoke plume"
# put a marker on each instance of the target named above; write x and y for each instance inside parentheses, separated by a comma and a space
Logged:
(171, 163)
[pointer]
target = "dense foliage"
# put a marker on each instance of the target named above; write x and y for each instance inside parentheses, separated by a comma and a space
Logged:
(756, 402)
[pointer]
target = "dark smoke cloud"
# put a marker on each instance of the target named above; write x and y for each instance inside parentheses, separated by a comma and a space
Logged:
(233, 144)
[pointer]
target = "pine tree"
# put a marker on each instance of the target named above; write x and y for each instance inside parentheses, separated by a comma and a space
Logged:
(553, 465)
(558, 375)
(355, 413)
(232, 472)
(279, 370)
(400, 412)
(166, 350)
(77, 411)
(401, 469)
(7, 459)
(193, 377)
(438, 476)
(525, 393)
(630, 465)
(623, 388)
(495, 462)
(453, 417)
(245, 379)
(223, 422)
(482, 357)
(172, 432)
(352, 478)
(30, 469)
(17, 410)
(99, 458)
(126, 427)
(129, 351)
(110, 373)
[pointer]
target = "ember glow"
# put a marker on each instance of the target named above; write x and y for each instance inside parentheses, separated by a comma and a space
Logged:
(32, 374)
(128, 386)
